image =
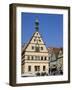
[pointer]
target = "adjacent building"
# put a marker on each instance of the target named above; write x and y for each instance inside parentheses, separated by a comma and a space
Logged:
(55, 61)
(60, 62)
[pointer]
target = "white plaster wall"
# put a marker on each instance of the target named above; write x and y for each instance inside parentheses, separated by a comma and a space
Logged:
(32, 64)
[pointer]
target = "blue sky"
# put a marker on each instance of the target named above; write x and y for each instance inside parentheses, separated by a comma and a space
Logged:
(50, 27)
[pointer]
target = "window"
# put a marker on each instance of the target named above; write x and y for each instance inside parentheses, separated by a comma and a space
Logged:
(28, 57)
(34, 40)
(45, 58)
(38, 58)
(41, 57)
(37, 49)
(32, 57)
(41, 48)
(35, 57)
(29, 68)
(37, 33)
(44, 68)
(32, 47)
(49, 58)
(37, 68)
(39, 40)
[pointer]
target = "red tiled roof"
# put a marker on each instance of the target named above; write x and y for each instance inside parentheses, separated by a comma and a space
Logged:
(54, 50)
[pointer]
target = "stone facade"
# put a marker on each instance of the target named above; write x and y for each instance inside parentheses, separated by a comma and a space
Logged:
(35, 56)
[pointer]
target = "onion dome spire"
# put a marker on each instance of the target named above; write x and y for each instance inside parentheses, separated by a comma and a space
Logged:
(37, 24)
